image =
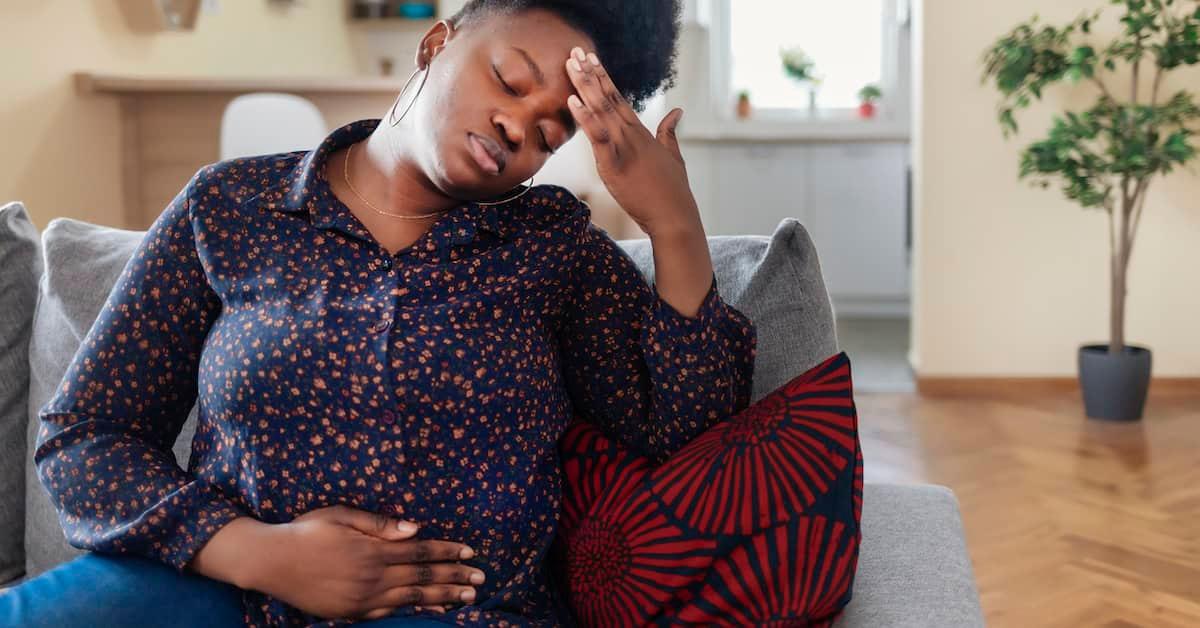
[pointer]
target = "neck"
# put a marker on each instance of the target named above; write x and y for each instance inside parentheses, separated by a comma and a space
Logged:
(389, 176)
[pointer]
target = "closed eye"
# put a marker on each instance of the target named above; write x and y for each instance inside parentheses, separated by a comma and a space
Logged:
(545, 142)
(508, 88)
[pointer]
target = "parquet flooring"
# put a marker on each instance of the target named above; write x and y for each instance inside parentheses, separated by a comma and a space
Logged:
(1069, 521)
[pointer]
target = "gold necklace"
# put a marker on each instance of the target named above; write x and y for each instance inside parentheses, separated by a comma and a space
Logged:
(346, 176)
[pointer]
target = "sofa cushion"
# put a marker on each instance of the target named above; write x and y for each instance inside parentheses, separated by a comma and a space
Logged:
(701, 538)
(83, 261)
(20, 269)
(914, 569)
(775, 280)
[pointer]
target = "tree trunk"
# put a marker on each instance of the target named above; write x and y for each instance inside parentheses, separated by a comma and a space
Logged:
(1120, 256)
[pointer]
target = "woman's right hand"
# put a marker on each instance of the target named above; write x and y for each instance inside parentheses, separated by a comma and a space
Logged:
(341, 562)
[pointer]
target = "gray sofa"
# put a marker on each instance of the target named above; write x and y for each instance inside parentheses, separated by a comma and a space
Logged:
(913, 568)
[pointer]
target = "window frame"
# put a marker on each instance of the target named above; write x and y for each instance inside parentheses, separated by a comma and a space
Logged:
(896, 72)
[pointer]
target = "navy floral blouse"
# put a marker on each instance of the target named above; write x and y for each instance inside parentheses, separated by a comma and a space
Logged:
(430, 384)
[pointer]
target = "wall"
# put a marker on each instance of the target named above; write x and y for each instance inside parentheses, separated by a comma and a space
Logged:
(1009, 279)
(60, 153)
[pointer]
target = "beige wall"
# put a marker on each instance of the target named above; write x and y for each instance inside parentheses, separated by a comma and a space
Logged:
(1009, 279)
(60, 151)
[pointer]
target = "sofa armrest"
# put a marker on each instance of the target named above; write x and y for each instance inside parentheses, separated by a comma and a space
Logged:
(913, 567)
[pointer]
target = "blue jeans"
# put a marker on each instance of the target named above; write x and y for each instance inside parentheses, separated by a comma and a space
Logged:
(108, 591)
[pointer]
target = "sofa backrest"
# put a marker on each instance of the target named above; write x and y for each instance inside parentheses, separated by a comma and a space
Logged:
(775, 280)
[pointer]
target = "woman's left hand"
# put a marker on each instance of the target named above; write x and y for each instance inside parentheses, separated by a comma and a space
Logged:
(645, 174)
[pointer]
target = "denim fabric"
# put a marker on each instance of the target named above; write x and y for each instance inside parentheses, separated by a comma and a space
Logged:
(112, 591)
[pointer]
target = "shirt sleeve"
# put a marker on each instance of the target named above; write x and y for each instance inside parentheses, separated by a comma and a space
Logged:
(104, 443)
(639, 369)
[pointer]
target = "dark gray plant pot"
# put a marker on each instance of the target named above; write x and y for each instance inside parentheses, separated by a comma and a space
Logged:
(1114, 386)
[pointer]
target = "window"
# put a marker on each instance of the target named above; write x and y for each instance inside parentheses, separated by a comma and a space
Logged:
(852, 43)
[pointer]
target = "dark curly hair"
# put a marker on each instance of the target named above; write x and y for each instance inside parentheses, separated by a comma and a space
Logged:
(636, 40)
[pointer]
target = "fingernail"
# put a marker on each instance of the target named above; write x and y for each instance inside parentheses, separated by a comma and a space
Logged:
(577, 52)
(468, 595)
(477, 577)
(575, 101)
(574, 64)
(406, 526)
(466, 552)
(594, 59)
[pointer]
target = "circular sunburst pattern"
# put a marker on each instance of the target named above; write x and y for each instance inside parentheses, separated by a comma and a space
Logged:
(753, 585)
(778, 458)
(754, 522)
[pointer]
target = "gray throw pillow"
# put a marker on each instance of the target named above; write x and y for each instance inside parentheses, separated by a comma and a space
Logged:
(83, 262)
(775, 281)
(20, 268)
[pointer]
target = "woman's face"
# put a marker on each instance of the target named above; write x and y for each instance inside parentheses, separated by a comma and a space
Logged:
(494, 105)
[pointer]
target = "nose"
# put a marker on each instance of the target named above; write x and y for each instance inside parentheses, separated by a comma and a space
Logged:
(511, 129)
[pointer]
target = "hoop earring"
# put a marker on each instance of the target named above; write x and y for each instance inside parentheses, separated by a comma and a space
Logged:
(511, 198)
(391, 112)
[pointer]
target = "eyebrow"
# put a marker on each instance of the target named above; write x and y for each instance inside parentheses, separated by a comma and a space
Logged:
(564, 114)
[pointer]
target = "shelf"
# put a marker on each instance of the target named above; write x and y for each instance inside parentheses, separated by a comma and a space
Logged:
(99, 83)
(391, 19)
(391, 22)
(755, 130)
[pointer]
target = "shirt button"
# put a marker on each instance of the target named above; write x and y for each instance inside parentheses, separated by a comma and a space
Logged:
(382, 325)
(387, 262)
(389, 416)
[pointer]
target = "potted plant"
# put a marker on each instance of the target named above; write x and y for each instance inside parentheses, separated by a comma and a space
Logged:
(743, 104)
(867, 97)
(801, 67)
(1106, 156)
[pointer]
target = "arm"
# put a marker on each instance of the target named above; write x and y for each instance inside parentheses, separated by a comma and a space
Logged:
(103, 449)
(644, 372)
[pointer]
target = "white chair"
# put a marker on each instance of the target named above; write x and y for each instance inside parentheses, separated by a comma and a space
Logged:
(267, 122)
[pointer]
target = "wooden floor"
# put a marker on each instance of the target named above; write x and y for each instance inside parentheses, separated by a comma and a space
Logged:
(1069, 522)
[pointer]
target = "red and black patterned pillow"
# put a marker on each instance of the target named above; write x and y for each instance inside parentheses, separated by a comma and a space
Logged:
(754, 522)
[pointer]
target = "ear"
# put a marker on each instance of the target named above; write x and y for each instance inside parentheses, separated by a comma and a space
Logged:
(434, 41)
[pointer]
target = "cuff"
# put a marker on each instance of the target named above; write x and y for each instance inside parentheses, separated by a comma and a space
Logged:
(197, 523)
(668, 325)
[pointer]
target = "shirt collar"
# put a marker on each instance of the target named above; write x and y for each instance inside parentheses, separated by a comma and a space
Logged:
(304, 188)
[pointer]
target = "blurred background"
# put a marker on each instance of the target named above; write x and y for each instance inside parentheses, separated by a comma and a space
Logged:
(961, 292)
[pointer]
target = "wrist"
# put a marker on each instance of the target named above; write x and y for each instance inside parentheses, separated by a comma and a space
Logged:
(680, 221)
(237, 553)
(675, 231)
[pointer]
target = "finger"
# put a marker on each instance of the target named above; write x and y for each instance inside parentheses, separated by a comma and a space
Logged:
(587, 83)
(595, 130)
(610, 91)
(667, 135)
(379, 613)
(431, 573)
(375, 524)
(423, 595)
(422, 551)
(603, 127)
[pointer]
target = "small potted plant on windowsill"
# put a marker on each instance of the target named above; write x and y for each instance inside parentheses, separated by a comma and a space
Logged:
(1106, 156)
(801, 68)
(743, 104)
(867, 97)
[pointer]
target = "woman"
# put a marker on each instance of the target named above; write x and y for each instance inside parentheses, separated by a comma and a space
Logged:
(391, 329)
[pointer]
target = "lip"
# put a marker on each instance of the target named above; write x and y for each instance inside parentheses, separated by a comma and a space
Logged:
(486, 152)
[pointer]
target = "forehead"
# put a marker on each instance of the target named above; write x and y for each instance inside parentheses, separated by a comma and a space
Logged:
(543, 34)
